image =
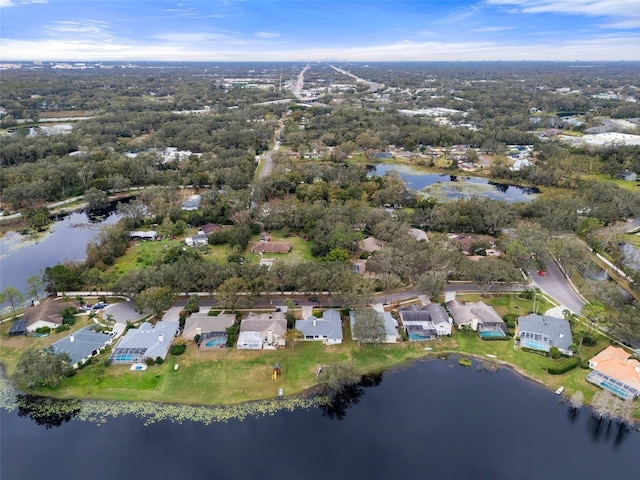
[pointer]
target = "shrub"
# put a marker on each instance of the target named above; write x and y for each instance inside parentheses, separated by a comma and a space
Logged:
(291, 320)
(510, 319)
(495, 339)
(589, 341)
(214, 313)
(564, 366)
(159, 360)
(196, 337)
(584, 364)
(554, 352)
(178, 349)
(69, 321)
(43, 330)
(149, 361)
(62, 328)
(232, 334)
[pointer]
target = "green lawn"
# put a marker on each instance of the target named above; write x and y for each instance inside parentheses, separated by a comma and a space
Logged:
(505, 303)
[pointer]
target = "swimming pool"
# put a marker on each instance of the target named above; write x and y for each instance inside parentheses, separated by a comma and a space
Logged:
(417, 336)
(124, 357)
(492, 334)
(534, 345)
(214, 342)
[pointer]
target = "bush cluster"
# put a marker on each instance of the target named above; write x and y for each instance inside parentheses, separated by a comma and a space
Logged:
(564, 366)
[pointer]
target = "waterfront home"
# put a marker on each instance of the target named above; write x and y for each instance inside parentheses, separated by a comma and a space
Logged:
(616, 371)
(327, 329)
(146, 341)
(262, 331)
(212, 330)
(426, 323)
(46, 314)
(541, 332)
(390, 325)
(142, 235)
(82, 345)
(478, 316)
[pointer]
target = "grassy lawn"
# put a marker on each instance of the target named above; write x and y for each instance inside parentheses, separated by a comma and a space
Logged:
(603, 177)
(505, 303)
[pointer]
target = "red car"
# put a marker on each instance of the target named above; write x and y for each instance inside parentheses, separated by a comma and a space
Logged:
(541, 273)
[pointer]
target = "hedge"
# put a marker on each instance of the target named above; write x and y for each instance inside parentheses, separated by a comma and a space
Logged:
(495, 339)
(564, 367)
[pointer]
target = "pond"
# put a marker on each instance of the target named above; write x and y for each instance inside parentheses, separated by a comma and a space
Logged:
(451, 187)
(432, 419)
(23, 255)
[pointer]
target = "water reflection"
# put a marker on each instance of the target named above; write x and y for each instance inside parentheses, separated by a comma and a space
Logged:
(349, 396)
(47, 412)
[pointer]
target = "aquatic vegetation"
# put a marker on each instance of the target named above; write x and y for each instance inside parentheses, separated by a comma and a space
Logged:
(50, 412)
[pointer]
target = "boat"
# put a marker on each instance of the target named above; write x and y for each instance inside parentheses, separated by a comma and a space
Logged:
(559, 390)
(490, 356)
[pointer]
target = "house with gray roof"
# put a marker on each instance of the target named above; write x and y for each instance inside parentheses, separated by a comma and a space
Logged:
(426, 323)
(146, 341)
(541, 332)
(192, 203)
(390, 326)
(211, 330)
(262, 331)
(82, 345)
(327, 329)
(475, 315)
(197, 240)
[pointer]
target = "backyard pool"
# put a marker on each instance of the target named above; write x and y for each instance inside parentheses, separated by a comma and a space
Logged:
(214, 342)
(492, 334)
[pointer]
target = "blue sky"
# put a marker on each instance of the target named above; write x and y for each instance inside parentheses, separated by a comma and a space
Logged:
(301, 30)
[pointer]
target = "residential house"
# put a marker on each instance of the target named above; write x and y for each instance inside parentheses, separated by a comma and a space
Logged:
(197, 240)
(47, 314)
(541, 332)
(478, 316)
(212, 330)
(192, 203)
(142, 235)
(371, 244)
(271, 247)
(426, 323)
(616, 371)
(627, 175)
(208, 228)
(82, 345)
(262, 331)
(418, 234)
(146, 341)
(390, 326)
(327, 329)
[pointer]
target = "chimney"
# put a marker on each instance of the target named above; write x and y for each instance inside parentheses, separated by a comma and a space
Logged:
(314, 322)
(161, 338)
(72, 339)
(198, 330)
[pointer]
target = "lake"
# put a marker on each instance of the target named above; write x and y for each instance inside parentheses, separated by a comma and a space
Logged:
(23, 257)
(451, 187)
(432, 419)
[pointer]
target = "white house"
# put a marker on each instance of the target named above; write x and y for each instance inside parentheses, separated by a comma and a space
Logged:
(426, 323)
(262, 331)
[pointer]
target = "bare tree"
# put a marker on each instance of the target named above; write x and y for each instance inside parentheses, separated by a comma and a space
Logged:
(576, 401)
(602, 405)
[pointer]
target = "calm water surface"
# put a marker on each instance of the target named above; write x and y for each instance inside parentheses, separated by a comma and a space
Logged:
(452, 186)
(68, 239)
(432, 420)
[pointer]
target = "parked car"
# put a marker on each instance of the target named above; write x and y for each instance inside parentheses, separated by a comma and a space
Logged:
(313, 299)
(541, 273)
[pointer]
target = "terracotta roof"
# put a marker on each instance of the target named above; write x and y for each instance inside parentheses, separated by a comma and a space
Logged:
(615, 363)
(271, 247)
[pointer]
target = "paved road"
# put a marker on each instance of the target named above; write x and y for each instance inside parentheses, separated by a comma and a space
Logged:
(554, 284)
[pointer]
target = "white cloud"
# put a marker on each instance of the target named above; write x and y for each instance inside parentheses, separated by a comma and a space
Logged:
(492, 29)
(82, 27)
(627, 10)
(14, 3)
(596, 48)
(267, 34)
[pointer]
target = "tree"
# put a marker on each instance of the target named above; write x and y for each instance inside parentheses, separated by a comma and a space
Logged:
(489, 272)
(432, 283)
(193, 304)
(594, 313)
(335, 377)
(576, 401)
(156, 299)
(96, 199)
(13, 296)
(602, 404)
(228, 293)
(291, 336)
(368, 327)
(41, 368)
(554, 352)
